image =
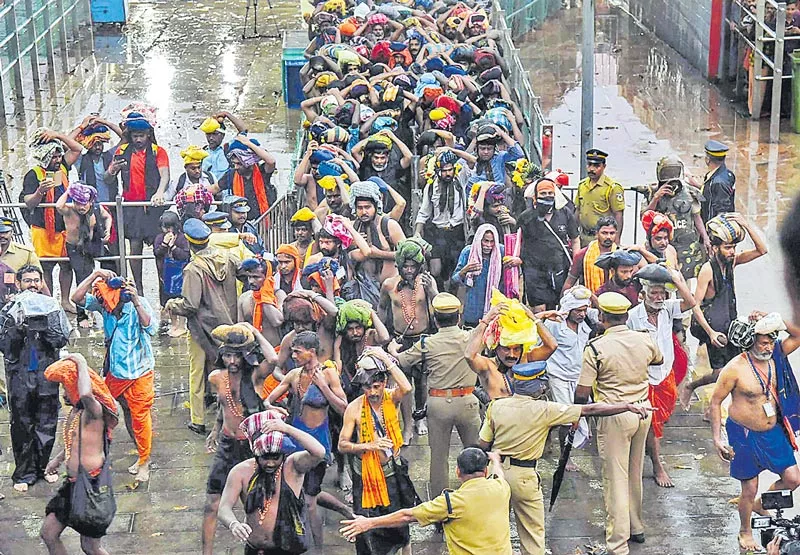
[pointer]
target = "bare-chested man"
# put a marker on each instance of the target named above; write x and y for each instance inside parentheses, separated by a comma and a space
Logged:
(238, 378)
(405, 308)
(270, 486)
(258, 305)
(760, 382)
(379, 442)
(314, 386)
(88, 227)
(495, 373)
(86, 431)
(306, 310)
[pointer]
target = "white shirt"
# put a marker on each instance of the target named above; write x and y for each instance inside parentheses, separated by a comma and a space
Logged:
(429, 209)
(661, 335)
(565, 362)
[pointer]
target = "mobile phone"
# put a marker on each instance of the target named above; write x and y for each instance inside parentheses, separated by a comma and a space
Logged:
(50, 175)
(118, 157)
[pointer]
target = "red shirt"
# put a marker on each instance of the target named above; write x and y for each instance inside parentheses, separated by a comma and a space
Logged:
(136, 187)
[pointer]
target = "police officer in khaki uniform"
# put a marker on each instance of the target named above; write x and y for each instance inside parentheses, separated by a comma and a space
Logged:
(517, 427)
(598, 195)
(615, 364)
(450, 385)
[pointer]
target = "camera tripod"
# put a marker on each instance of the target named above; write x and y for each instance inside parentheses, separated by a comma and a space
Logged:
(256, 34)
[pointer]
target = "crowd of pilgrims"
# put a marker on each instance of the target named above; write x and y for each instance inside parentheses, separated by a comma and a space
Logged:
(378, 322)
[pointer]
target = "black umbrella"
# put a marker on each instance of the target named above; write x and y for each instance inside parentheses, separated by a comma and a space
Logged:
(558, 475)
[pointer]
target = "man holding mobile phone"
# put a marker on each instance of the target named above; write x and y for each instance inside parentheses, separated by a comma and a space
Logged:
(45, 182)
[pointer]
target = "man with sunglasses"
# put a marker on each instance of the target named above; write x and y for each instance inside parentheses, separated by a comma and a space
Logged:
(598, 196)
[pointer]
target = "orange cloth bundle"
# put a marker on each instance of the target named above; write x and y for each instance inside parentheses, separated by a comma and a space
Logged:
(375, 492)
(65, 372)
(264, 295)
(106, 295)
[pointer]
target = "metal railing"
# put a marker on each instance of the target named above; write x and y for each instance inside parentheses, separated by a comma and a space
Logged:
(523, 15)
(273, 225)
(535, 128)
(764, 34)
(38, 28)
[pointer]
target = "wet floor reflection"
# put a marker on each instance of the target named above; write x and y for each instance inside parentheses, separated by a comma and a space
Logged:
(649, 102)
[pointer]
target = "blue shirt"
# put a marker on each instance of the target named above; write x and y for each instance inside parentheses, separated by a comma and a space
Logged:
(130, 352)
(499, 161)
(476, 295)
(99, 171)
(216, 162)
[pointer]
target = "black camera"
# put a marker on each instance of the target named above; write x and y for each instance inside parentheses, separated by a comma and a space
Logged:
(771, 527)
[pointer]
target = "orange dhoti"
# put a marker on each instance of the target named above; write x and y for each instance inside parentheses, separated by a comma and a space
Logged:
(662, 397)
(48, 244)
(139, 395)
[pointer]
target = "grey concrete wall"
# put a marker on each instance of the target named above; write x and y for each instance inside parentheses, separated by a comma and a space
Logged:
(683, 24)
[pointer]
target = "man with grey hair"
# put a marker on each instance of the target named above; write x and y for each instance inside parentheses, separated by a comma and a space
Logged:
(764, 413)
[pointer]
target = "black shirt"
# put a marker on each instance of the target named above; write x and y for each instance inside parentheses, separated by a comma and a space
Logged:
(540, 248)
(226, 183)
(35, 217)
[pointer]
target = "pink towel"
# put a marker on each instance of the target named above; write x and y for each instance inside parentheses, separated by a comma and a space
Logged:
(495, 262)
(512, 242)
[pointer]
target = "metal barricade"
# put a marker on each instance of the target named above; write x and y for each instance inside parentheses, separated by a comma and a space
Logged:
(31, 28)
(273, 225)
(519, 82)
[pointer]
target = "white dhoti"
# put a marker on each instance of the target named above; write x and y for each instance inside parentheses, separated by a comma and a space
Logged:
(563, 391)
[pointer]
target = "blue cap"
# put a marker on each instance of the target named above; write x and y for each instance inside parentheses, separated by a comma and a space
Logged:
(596, 155)
(530, 370)
(7, 224)
(196, 231)
(716, 149)
(238, 204)
(217, 219)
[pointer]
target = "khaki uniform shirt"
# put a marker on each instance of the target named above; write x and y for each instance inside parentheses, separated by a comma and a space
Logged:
(618, 370)
(18, 256)
(479, 522)
(444, 358)
(517, 426)
(595, 201)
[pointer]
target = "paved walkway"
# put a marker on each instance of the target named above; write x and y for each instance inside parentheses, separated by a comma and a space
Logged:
(197, 64)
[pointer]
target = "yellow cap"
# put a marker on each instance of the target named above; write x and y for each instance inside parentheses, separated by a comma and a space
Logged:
(613, 303)
(210, 125)
(303, 215)
(445, 303)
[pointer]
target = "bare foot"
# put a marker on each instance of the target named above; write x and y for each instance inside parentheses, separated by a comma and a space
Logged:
(748, 543)
(571, 466)
(408, 434)
(685, 396)
(86, 324)
(134, 468)
(345, 482)
(421, 427)
(143, 475)
(22, 487)
(69, 307)
(661, 478)
(51, 478)
(176, 332)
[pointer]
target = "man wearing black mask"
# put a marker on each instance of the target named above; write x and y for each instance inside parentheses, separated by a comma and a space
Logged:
(549, 239)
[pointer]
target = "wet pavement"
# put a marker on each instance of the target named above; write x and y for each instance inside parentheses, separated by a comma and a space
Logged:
(188, 60)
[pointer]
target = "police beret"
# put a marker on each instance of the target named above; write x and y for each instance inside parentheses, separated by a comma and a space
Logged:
(196, 231)
(445, 303)
(219, 219)
(613, 303)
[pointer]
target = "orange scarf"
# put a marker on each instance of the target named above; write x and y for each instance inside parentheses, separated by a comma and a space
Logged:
(264, 295)
(375, 493)
(65, 372)
(594, 277)
(258, 187)
(50, 196)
